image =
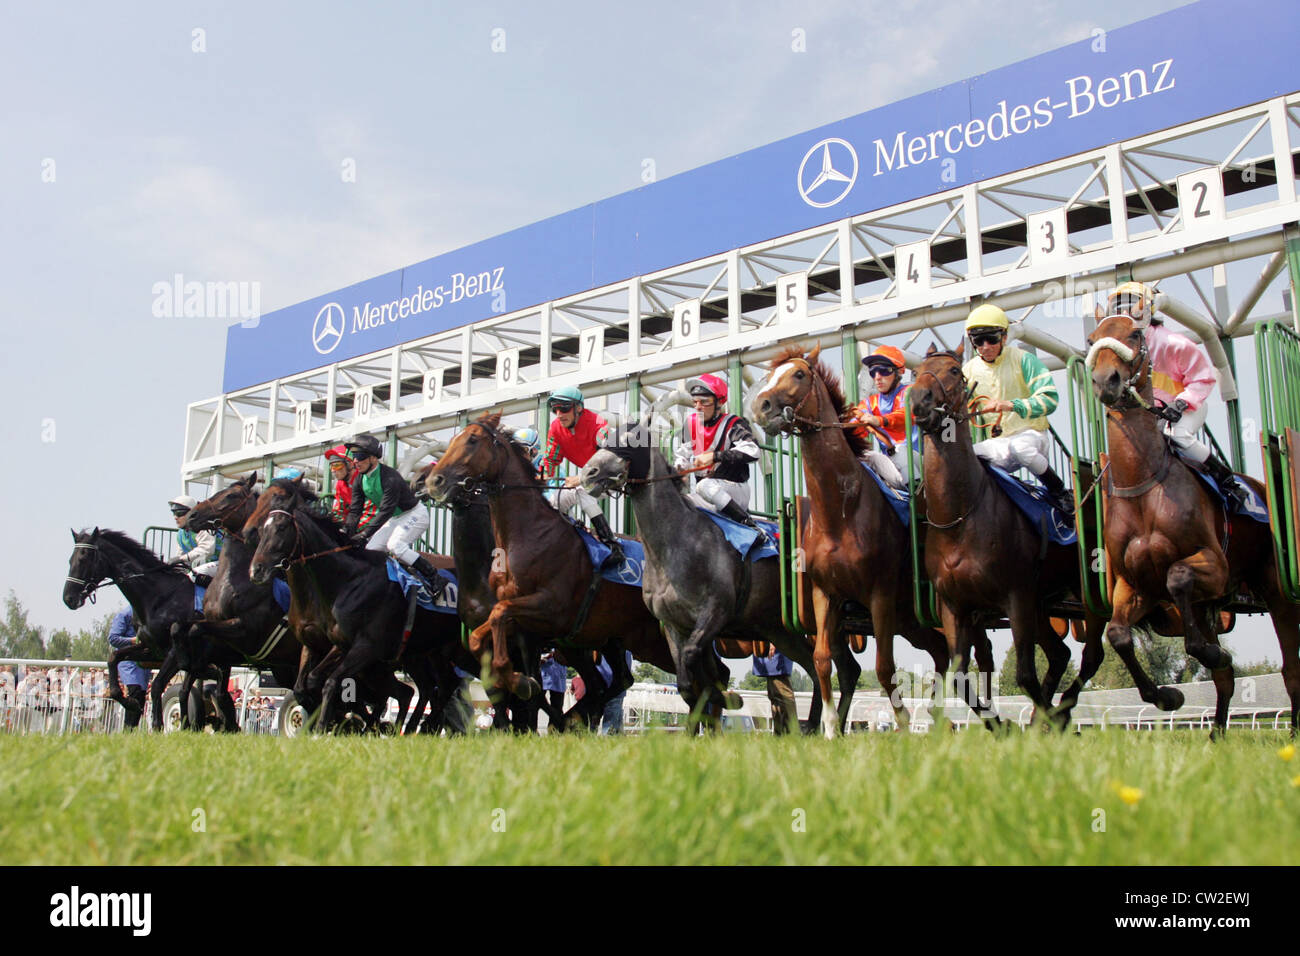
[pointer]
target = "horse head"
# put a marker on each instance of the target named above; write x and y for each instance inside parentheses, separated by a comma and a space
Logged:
(273, 521)
(478, 456)
(790, 384)
(86, 569)
(418, 479)
(624, 454)
(228, 508)
(1118, 361)
(939, 393)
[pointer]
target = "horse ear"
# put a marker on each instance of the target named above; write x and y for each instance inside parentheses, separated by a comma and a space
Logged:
(1099, 313)
(251, 479)
(95, 533)
(815, 354)
(932, 350)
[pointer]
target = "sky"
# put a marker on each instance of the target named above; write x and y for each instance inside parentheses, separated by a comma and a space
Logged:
(206, 140)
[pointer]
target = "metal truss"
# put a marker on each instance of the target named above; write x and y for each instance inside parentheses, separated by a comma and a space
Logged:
(1217, 190)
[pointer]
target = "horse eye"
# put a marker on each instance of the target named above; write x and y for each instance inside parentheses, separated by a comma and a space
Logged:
(799, 375)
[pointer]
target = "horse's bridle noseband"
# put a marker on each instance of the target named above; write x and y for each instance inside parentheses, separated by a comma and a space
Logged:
(88, 588)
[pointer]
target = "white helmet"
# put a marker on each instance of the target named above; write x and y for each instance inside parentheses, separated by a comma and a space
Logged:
(182, 501)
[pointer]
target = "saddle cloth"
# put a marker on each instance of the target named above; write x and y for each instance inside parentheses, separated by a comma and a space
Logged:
(742, 537)
(629, 572)
(1033, 500)
(446, 603)
(898, 500)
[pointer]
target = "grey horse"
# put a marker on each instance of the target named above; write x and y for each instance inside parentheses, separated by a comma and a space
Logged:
(694, 582)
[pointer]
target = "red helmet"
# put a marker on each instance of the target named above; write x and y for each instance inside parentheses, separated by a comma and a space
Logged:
(709, 384)
(337, 452)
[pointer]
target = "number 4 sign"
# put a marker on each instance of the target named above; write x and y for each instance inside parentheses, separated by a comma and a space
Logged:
(912, 267)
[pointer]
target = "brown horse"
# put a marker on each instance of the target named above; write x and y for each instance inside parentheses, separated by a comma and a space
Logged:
(546, 585)
(974, 534)
(854, 549)
(1165, 534)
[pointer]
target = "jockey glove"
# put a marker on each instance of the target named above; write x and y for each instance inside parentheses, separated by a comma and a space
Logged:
(1174, 413)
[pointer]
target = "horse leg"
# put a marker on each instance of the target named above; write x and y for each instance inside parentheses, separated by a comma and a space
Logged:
(1200, 576)
(359, 656)
(1024, 617)
(226, 704)
(961, 635)
(984, 708)
(885, 673)
(829, 614)
(1092, 655)
(166, 671)
(1058, 659)
(1130, 606)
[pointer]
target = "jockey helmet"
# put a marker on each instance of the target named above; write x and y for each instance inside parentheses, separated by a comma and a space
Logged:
(886, 357)
(364, 446)
(527, 437)
(1134, 300)
(337, 453)
(181, 504)
(568, 395)
(988, 317)
(712, 385)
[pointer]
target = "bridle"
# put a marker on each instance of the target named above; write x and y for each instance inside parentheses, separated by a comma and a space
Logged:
(218, 520)
(284, 563)
(1139, 364)
(88, 588)
(961, 414)
(790, 415)
(474, 487)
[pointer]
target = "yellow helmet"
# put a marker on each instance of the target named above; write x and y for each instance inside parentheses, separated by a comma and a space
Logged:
(987, 317)
(1132, 299)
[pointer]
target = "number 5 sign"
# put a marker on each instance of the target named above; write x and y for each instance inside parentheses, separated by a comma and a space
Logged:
(792, 297)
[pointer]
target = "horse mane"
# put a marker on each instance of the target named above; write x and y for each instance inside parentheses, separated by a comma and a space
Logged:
(138, 552)
(834, 388)
(492, 421)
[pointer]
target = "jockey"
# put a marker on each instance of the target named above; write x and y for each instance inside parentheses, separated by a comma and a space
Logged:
(200, 550)
(574, 436)
(1018, 385)
(532, 442)
(723, 441)
(343, 470)
(886, 410)
(399, 520)
(1182, 378)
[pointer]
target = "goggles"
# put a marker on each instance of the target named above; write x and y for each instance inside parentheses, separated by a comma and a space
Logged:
(985, 338)
(881, 369)
(561, 406)
(178, 510)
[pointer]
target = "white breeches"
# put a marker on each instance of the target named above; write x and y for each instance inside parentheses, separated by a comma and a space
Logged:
(890, 467)
(567, 497)
(713, 494)
(399, 533)
(1183, 434)
(1026, 449)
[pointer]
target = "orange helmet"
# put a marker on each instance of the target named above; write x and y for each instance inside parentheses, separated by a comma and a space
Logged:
(887, 356)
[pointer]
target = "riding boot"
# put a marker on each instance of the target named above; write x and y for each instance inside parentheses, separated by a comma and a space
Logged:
(600, 524)
(1227, 481)
(1060, 495)
(741, 516)
(434, 582)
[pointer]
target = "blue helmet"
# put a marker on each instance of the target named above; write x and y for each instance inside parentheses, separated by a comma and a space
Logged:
(527, 437)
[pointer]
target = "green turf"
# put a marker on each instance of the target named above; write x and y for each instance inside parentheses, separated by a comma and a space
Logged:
(879, 799)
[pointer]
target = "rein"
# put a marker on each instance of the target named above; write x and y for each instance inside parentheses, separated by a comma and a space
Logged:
(302, 559)
(791, 416)
(88, 590)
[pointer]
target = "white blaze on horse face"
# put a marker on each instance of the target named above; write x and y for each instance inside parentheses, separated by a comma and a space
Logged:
(779, 373)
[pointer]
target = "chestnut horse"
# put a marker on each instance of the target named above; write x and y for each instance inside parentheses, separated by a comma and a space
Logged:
(974, 534)
(854, 548)
(1165, 534)
(546, 585)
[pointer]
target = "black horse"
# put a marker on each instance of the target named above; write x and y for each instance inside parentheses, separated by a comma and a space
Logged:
(364, 612)
(160, 594)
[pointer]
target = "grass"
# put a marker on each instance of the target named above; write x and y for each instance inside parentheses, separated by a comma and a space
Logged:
(878, 799)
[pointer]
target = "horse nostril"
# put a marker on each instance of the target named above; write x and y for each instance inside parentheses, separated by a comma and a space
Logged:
(765, 405)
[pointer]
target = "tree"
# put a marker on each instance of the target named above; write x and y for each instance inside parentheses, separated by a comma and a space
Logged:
(59, 646)
(92, 644)
(753, 682)
(649, 674)
(1007, 684)
(18, 638)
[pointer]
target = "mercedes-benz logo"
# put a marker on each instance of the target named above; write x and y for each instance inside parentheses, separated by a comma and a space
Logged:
(629, 571)
(824, 171)
(327, 332)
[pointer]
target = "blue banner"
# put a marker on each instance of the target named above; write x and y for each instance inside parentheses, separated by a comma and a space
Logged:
(1174, 68)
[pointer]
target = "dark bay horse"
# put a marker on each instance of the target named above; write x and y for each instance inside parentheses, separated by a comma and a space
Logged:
(694, 582)
(242, 623)
(160, 594)
(981, 552)
(854, 548)
(545, 584)
(1165, 536)
(359, 609)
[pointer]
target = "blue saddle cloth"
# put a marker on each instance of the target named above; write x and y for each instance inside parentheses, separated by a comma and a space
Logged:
(1037, 506)
(742, 537)
(1255, 508)
(446, 603)
(633, 566)
(898, 500)
(198, 597)
(280, 591)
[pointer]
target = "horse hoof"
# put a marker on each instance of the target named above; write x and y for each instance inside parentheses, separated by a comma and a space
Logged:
(526, 688)
(132, 706)
(1169, 698)
(732, 701)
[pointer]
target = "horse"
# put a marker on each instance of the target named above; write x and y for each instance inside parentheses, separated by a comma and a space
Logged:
(360, 610)
(547, 587)
(853, 547)
(974, 533)
(160, 594)
(1167, 540)
(242, 623)
(694, 581)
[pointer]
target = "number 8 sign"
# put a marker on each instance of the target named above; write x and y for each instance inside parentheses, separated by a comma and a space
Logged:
(507, 368)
